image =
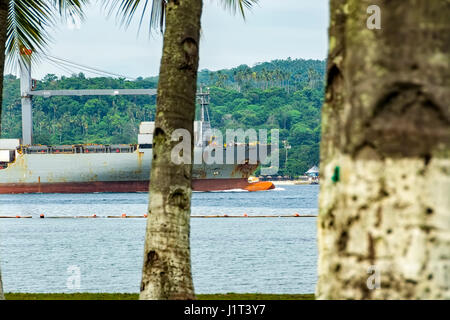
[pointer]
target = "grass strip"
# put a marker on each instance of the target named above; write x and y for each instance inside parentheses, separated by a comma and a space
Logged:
(135, 296)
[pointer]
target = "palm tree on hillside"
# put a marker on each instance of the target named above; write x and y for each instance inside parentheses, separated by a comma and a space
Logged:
(222, 79)
(24, 28)
(166, 270)
(313, 78)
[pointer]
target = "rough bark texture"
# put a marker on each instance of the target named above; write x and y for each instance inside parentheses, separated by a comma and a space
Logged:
(167, 265)
(3, 16)
(385, 168)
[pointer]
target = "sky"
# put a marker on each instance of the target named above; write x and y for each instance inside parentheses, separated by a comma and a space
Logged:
(273, 29)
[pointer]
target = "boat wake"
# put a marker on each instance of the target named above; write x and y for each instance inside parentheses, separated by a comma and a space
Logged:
(220, 191)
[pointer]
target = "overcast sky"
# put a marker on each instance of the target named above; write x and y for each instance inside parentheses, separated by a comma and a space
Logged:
(274, 29)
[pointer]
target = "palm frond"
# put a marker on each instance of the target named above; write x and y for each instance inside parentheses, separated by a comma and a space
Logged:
(70, 8)
(28, 25)
(238, 5)
(158, 14)
(125, 11)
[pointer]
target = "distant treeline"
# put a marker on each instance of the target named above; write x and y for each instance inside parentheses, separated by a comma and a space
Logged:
(283, 94)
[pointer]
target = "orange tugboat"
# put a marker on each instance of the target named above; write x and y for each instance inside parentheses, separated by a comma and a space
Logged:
(256, 185)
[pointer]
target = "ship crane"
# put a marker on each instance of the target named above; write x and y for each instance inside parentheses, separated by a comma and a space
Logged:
(27, 92)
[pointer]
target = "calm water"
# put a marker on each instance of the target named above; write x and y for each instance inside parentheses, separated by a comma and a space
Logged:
(271, 255)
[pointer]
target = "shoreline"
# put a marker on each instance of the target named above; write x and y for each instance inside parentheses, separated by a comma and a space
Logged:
(290, 182)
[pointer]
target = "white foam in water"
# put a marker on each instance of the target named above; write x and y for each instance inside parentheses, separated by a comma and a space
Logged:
(231, 190)
(242, 190)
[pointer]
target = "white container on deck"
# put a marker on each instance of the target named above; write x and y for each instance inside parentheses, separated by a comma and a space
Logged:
(6, 155)
(145, 138)
(9, 144)
(147, 127)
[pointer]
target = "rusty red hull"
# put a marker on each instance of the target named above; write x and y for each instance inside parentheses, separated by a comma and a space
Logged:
(115, 186)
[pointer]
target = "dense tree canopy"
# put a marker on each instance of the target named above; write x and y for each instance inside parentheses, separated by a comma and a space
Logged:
(282, 94)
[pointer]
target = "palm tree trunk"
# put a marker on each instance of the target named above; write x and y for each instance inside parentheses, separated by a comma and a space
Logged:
(3, 17)
(384, 223)
(167, 266)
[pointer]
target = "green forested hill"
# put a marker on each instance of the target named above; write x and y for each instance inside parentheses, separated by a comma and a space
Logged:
(283, 94)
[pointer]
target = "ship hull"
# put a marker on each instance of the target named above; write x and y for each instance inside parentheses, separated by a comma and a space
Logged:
(122, 172)
(115, 186)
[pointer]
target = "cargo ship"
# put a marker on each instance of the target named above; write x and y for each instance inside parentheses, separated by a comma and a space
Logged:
(114, 168)
(84, 168)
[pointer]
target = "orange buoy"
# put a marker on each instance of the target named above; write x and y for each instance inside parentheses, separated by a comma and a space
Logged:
(17, 216)
(124, 215)
(42, 216)
(145, 215)
(297, 215)
(245, 215)
(225, 215)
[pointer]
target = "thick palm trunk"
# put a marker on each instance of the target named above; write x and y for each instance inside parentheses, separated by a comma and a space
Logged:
(385, 168)
(3, 16)
(167, 265)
